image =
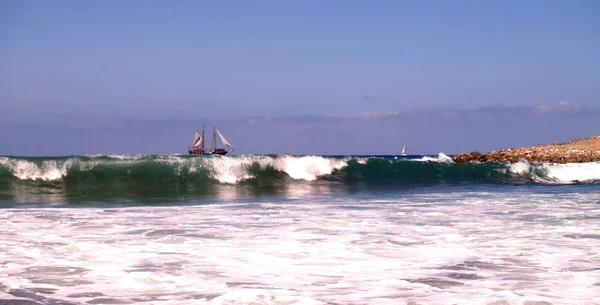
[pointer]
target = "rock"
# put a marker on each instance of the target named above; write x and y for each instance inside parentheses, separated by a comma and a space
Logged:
(575, 151)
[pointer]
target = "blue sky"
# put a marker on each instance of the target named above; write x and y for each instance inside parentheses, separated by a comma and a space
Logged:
(296, 71)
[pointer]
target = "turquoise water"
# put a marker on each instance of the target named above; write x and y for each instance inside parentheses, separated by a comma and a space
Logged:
(165, 179)
(297, 230)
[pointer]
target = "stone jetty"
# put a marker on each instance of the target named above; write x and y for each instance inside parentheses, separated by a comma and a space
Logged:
(575, 151)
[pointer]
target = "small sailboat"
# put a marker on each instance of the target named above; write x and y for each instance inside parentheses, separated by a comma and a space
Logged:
(404, 153)
(198, 147)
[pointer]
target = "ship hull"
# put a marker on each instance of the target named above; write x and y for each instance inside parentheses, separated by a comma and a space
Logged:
(206, 153)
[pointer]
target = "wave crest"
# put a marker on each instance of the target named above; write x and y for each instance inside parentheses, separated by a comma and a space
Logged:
(236, 169)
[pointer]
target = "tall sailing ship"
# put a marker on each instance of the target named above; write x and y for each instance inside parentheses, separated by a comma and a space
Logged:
(198, 147)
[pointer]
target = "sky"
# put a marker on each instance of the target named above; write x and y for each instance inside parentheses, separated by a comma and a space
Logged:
(299, 77)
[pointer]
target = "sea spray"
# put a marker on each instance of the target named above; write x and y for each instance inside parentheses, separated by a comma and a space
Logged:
(238, 169)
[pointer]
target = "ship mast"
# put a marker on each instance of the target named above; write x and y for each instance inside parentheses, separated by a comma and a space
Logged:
(214, 139)
(202, 138)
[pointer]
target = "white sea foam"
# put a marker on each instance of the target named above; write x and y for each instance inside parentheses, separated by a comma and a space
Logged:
(557, 173)
(521, 167)
(95, 155)
(117, 157)
(27, 170)
(309, 168)
(440, 158)
(369, 250)
(232, 170)
(127, 157)
(573, 171)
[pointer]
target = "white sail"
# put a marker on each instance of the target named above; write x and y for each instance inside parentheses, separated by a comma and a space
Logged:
(196, 137)
(223, 139)
(403, 153)
(198, 140)
(199, 143)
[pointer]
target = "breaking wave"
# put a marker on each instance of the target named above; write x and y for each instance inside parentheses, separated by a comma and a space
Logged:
(237, 169)
(177, 175)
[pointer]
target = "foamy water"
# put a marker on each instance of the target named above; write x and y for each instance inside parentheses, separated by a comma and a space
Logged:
(232, 170)
(478, 247)
(308, 168)
(440, 158)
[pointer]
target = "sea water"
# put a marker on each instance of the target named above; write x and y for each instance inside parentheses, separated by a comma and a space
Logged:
(288, 229)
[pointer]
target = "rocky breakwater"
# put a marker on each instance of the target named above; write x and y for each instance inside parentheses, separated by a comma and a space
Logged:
(575, 151)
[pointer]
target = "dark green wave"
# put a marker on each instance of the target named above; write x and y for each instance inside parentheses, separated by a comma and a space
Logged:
(184, 177)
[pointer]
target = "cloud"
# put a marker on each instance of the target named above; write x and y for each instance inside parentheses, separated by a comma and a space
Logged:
(495, 112)
(396, 117)
(376, 115)
(449, 130)
(310, 119)
(562, 106)
(367, 97)
(301, 118)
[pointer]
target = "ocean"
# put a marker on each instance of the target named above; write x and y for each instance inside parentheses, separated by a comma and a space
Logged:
(285, 229)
